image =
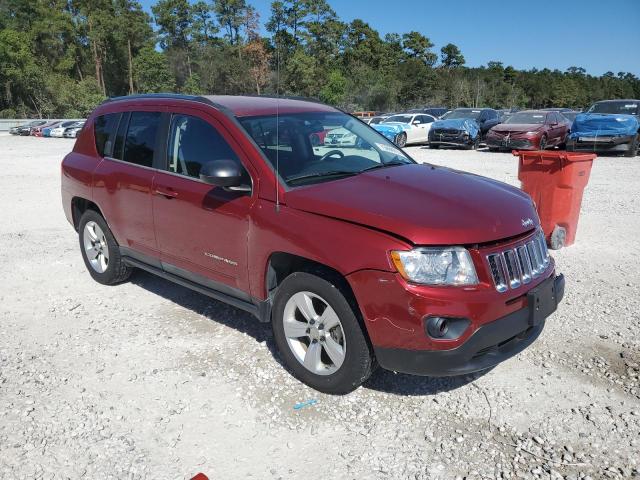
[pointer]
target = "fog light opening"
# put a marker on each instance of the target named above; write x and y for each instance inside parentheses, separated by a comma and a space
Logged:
(437, 327)
(445, 328)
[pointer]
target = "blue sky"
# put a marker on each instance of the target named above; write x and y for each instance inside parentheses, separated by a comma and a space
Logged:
(598, 35)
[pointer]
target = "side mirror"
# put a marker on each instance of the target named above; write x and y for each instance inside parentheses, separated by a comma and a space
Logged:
(223, 173)
(416, 122)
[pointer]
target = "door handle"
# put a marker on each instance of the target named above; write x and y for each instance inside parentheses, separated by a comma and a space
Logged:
(167, 193)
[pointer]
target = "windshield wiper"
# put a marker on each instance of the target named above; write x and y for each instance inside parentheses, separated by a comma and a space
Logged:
(329, 174)
(392, 163)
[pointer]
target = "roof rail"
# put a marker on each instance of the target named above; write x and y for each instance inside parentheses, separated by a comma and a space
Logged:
(288, 97)
(176, 96)
(202, 98)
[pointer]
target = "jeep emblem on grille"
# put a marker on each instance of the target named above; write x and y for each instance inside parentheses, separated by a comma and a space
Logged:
(527, 222)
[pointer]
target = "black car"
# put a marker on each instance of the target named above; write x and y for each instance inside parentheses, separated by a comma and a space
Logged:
(561, 110)
(433, 111)
(570, 115)
(505, 113)
(464, 127)
(25, 129)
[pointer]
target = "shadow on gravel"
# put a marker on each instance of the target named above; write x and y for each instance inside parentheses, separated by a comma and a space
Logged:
(402, 384)
(219, 312)
(216, 311)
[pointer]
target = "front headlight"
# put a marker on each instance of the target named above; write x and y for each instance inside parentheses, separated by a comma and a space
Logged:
(535, 132)
(436, 266)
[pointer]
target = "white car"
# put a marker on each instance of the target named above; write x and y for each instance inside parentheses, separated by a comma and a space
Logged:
(340, 137)
(72, 131)
(58, 130)
(415, 125)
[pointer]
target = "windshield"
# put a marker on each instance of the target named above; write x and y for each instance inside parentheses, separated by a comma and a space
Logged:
(628, 108)
(399, 119)
(527, 118)
(462, 113)
(319, 146)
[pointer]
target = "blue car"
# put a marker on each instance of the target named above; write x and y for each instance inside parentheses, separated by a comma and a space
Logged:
(392, 132)
(608, 126)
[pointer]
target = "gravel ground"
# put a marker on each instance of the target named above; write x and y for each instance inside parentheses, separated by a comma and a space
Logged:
(150, 380)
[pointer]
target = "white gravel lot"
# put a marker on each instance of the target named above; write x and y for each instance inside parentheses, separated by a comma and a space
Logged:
(150, 380)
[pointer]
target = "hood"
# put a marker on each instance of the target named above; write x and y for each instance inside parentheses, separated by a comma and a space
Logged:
(425, 204)
(592, 124)
(394, 127)
(517, 127)
(466, 124)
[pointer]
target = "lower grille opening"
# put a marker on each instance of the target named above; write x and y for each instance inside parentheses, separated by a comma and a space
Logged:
(498, 346)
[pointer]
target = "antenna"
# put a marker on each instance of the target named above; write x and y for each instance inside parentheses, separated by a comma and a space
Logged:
(277, 127)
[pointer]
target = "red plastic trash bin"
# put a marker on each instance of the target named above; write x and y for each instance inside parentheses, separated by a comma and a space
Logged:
(555, 180)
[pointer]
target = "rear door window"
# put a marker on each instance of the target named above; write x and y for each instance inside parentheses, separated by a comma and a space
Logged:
(140, 142)
(105, 129)
(194, 142)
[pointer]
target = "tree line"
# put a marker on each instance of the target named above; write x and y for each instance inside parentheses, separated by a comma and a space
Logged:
(60, 58)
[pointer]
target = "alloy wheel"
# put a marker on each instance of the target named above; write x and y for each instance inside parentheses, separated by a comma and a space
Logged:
(96, 247)
(314, 333)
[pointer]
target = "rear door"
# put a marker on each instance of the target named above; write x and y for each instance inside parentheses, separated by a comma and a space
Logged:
(201, 229)
(128, 143)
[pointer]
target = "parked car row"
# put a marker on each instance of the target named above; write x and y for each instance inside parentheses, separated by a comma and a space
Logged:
(47, 128)
(609, 125)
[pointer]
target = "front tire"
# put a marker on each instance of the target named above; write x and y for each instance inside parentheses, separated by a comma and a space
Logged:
(401, 140)
(100, 251)
(319, 336)
(633, 148)
(543, 143)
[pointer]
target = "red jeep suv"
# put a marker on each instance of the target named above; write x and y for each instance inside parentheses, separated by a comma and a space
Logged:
(356, 254)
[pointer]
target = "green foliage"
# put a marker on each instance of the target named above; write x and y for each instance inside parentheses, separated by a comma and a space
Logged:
(152, 74)
(62, 57)
(451, 56)
(8, 113)
(334, 90)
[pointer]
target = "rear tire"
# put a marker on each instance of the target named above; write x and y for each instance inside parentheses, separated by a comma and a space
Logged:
(633, 148)
(100, 251)
(332, 359)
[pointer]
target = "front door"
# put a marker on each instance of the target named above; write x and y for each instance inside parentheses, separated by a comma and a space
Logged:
(201, 229)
